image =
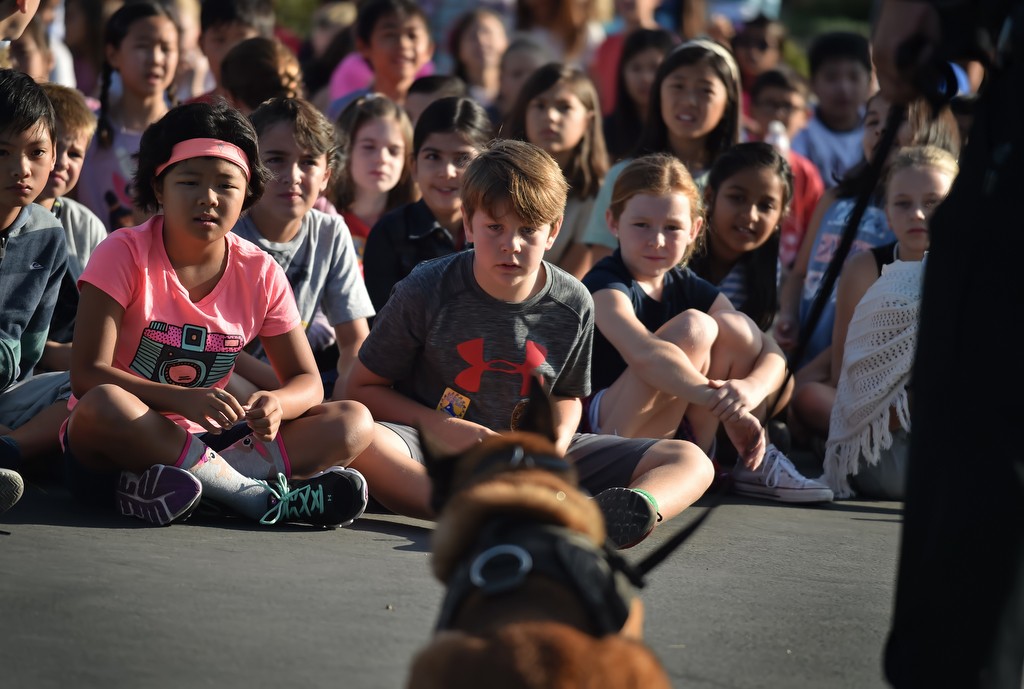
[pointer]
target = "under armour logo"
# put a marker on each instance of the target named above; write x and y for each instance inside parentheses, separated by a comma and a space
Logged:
(472, 352)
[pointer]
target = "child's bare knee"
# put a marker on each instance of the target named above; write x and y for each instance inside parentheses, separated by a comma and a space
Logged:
(737, 328)
(691, 331)
(350, 424)
(102, 404)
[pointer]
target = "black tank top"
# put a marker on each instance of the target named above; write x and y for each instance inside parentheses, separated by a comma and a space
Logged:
(884, 255)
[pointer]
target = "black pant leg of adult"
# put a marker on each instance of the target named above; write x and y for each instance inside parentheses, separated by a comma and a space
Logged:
(959, 610)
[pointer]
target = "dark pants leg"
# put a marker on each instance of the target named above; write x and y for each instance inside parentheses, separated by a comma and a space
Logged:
(959, 611)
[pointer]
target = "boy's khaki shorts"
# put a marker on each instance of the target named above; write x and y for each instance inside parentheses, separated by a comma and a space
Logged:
(602, 461)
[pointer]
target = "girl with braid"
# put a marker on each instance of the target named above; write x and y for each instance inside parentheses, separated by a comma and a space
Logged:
(141, 45)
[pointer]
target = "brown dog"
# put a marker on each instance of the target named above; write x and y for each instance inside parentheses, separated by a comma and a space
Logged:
(535, 599)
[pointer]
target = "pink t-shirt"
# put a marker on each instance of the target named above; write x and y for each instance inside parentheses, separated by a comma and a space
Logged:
(164, 336)
(354, 73)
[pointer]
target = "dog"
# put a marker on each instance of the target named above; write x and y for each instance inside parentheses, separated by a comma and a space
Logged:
(535, 596)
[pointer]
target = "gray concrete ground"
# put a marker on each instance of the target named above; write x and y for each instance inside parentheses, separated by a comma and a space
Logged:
(765, 595)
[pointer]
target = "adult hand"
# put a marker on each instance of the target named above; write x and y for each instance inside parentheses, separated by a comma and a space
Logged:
(263, 413)
(903, 23)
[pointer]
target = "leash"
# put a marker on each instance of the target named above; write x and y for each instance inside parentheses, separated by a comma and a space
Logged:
(937, 83)
(893, 121)
(637, 572)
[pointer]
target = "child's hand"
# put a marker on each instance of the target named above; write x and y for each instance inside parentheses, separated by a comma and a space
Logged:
(263, 414)
(214, 409)
(787, 331)
(731, 399)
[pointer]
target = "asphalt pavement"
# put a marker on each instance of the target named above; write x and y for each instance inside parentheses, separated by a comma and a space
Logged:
(764, 595)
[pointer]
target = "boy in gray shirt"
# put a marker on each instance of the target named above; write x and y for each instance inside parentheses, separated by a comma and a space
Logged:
(298, 145)
(453, 350)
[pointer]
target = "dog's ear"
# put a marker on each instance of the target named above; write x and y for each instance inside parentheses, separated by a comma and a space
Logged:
(538, 417)
(440, 469)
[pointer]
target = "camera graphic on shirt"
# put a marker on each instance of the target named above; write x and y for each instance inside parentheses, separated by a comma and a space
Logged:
(188, 356)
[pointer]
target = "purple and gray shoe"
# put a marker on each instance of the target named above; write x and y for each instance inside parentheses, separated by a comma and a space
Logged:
(161, 495)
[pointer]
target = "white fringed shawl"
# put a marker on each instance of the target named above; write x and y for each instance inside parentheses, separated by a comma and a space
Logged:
(877, 361)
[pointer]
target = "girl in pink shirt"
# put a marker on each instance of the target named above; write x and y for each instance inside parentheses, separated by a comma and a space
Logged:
(165, 309)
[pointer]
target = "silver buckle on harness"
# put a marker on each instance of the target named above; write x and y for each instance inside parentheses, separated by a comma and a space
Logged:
(500, 579)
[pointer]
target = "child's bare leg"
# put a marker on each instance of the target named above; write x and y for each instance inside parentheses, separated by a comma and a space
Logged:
(396, 480)
(38, 438)
(733, 355)
(329, 434)
(112, 429)
(737, 347)
(633, 408)
(812, 406)
(676, 473)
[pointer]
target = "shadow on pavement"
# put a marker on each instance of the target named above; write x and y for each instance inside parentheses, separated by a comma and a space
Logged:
(418, 536)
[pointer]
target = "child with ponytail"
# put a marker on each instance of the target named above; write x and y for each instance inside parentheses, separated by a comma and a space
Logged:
(141, 46)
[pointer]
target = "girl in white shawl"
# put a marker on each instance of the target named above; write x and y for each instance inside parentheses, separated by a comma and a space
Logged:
(878, 303)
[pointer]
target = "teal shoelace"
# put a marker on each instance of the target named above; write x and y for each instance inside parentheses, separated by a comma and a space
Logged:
(293, 503)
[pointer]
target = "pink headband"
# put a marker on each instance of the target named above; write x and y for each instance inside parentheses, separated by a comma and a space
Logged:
(206, 148)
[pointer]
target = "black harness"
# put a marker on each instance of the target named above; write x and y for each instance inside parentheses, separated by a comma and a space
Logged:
(507, 551)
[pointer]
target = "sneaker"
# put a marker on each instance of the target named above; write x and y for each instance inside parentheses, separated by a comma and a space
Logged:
(11, 489)
(332, 498)
(777, 479)
(629, 515)
(161, 494)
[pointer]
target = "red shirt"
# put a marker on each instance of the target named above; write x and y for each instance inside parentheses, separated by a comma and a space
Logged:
(807, 191)
(605, 70)
(359, 230)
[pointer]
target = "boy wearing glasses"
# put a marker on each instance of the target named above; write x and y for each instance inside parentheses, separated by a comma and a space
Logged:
(781, 95)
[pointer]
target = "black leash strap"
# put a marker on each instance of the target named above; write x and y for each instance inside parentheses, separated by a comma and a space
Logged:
(679, 537)
(828, 282)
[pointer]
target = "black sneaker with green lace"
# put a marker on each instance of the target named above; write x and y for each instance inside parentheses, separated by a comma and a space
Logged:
(335, 497)
(630, 515)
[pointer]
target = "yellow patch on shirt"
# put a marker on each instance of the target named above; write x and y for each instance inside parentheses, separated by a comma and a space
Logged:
(453, 404)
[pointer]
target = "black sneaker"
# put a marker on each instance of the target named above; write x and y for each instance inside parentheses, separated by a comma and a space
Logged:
(335, 497)
(161, 494)
(629, 515)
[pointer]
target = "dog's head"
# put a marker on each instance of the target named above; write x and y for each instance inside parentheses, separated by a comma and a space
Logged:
(542, 632)
(518, 473)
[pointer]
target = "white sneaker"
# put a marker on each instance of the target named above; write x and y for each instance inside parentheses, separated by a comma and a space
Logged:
(778, 479)
(11, 488)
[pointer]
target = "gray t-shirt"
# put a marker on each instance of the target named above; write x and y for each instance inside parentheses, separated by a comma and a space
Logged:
(449, 345)
(82, 229)
(832, 152)
(320, 262)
